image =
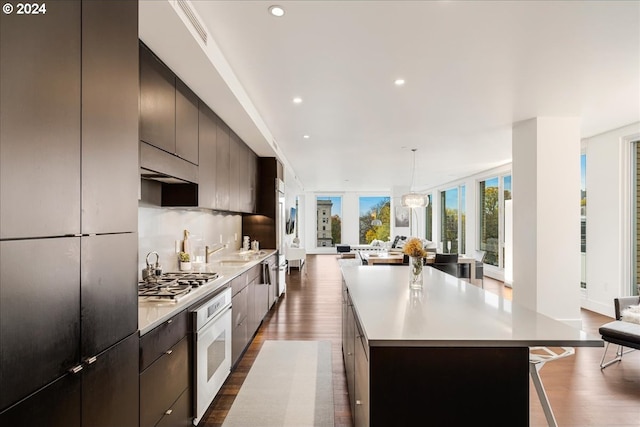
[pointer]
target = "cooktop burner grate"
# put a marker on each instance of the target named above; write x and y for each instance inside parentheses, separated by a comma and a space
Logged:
(171, 286)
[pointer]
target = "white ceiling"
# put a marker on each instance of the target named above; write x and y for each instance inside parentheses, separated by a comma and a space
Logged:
(472, 68)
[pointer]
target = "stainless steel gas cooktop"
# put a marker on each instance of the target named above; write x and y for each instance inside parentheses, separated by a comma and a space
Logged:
(172, 286)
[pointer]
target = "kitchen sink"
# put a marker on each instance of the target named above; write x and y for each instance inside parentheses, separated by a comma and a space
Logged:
(232, 262)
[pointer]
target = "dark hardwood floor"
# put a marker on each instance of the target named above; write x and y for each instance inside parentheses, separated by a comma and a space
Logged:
(580, 393)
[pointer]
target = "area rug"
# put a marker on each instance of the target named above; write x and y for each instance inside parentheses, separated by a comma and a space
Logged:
(289, 384)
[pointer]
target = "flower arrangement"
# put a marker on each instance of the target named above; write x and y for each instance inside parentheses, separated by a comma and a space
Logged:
(184, 257)
(414, 248)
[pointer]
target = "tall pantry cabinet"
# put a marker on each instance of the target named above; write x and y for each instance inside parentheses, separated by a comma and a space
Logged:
(68, 215)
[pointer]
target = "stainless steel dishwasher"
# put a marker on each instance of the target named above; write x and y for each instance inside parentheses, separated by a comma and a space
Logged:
(211, 322)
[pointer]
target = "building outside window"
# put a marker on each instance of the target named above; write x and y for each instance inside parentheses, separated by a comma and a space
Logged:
(329, 211)
(452, 219)
(372, 208)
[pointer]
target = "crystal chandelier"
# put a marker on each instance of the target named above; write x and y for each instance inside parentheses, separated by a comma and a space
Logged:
(412, 199)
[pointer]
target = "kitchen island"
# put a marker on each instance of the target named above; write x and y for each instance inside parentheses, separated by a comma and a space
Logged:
(449, 354)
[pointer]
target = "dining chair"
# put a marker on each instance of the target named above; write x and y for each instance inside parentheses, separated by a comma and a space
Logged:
(447, 263)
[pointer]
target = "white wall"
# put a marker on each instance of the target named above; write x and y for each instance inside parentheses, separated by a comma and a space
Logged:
(608, 218)
(546, 216)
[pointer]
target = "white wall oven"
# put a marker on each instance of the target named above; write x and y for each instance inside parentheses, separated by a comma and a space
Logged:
(211, 322)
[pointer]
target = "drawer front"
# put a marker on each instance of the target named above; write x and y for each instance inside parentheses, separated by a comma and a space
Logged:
(254, 273)
(157, 341)
(163, 382)
(179, 415)
(238, 284)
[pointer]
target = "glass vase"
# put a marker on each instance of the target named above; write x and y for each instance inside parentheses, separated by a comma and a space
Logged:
(415, 272)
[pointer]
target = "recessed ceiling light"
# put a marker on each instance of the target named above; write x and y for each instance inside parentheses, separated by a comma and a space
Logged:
(305, 136)
(297, 100)
(276, 10)
(399, 82)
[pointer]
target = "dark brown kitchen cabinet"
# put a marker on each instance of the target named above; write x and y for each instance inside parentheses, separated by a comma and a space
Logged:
(163, 383)
(263, 227)
(109, 116)
(186, 123)
(222, 167)
(239, 332)
(57, 405)
(168, 109)
(179, 414)
(102, 394)
(246, 180)
(253, 182)
(157, 102)
(110, 386)
(207, 133)
(69, 135)
(109, 294)
(234, 172)
(40, 123)
(39, 313)
(156, 342)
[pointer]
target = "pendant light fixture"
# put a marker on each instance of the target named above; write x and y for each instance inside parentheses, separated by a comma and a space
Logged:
(411, 199)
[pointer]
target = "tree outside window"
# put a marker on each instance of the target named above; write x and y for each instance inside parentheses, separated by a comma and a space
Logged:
(374, 208)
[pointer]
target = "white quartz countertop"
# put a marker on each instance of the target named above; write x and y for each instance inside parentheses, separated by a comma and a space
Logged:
(228, 266)
(447, 312)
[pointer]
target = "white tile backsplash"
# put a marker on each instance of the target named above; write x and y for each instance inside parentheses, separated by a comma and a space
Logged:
(159, 228)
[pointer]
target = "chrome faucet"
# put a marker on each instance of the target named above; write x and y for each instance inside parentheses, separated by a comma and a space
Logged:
(207, 252)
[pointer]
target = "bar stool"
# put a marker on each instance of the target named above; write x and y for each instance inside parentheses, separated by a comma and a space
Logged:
(538, 356)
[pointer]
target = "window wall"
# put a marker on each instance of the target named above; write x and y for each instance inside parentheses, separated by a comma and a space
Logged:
(493, 193)
(428, 220)
(374, 208)
(452, 219)
(329, 221)
(635, 288)
(583, 221)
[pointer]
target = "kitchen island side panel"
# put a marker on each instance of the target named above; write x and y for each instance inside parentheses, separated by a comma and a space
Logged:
(449, 386)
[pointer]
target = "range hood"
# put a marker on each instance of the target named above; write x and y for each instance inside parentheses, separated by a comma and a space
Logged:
(176, 180)
(158, 165)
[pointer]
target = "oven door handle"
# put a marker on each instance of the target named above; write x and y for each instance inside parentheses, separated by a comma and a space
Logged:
(211, 321)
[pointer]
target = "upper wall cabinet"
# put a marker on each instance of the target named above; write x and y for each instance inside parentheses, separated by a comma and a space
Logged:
(234, 172)
(157, 102)
(222, 167)
(168, 109)
(207, 131)
(186, 123)
(40, 123)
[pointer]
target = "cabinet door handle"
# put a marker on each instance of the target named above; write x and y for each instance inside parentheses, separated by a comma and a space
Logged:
(76, 369)
(168, 411)
(358, 402)
(170, 321)
(91, 360)
(168, 351)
